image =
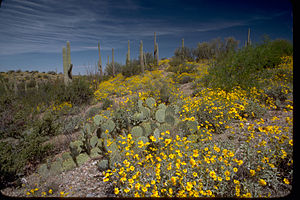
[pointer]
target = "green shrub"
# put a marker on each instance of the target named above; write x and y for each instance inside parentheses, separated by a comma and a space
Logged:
(183, 53)
(133, 68)
(106, 103)
(178, 66)
(109, 70)
(243, 68)
(15, 157)
(78, 92)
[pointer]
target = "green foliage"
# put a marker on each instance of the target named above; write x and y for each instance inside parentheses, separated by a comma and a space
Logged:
(183, 54)
(178, 66)
(243, 68)
(106, 103)
(109, 71)
(78, 92)
(132, 68)
(15, 156)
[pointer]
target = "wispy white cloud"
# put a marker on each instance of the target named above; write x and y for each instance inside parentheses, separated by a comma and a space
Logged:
(45, 26)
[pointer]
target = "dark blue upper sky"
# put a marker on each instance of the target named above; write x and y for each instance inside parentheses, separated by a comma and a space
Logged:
(33, 32)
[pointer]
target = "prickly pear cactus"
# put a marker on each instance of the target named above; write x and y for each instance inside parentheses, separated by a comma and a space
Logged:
(136, 132)
(108, 125)
(160, 115)
(145, 112)
(141, 143)
(82, 158)
(114, 159)
(102, 165)
(110, 145)
(192, 126)
(68, 165)
(150, 102)
(147, 130)
(162, 106)
(94, 141)
(98, 119)
(170, 119)
(170, 111)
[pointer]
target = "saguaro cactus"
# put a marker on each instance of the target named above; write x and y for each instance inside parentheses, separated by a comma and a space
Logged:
(182, 43)
(112, 63)
(248, 39)
(141, 57)
(67, 64)
(156, 57)
(100, 62)
(128, 54)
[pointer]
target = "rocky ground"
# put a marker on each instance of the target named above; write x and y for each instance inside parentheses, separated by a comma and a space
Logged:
(84, 181)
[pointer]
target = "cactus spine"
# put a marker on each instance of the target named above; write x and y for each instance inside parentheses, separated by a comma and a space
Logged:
(112, 63)
(128, 54)
(67, 64)
(142, 57)
(156, 57)
(100, 62)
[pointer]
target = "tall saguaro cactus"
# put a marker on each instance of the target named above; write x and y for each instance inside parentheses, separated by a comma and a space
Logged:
(112, 63)
(142, 57)
(182, 43)
(156, 57)
(128, 54)
(100, 62)
(67, 64)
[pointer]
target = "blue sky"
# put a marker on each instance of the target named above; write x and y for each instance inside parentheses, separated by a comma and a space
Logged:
(33, 32)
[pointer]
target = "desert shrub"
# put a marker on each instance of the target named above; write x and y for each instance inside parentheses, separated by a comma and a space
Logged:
(242, 68)
(182, 78)
(106, 103)
(183, 53)
(177, 66)
(165, 93)
(14, 158)
(48, 125)
(254, 110)
(92, 112)
(52, 72)
(109, 71)
(133, 68)
(278, 94)
(78, 92)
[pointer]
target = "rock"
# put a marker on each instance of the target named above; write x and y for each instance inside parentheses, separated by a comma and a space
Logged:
(90, 195)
